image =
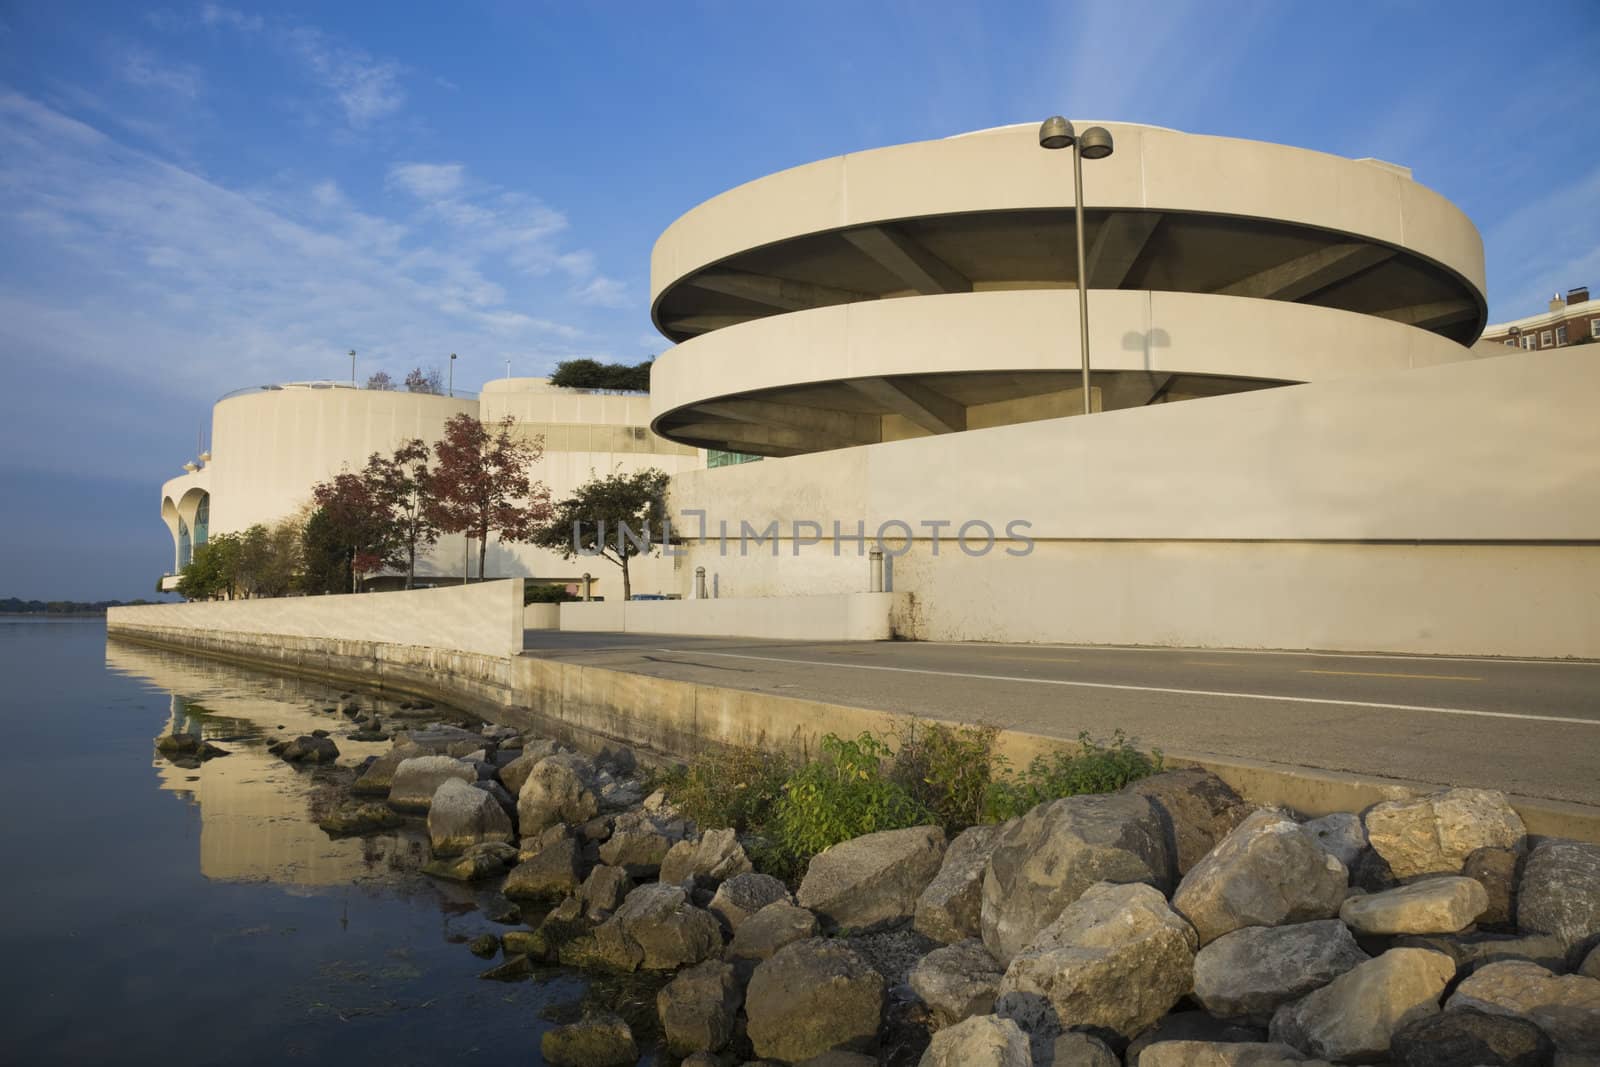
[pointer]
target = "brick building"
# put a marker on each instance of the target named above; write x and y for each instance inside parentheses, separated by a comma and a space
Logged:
(1570, 320)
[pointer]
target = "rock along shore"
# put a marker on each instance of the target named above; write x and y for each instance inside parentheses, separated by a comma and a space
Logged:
(1170, 923)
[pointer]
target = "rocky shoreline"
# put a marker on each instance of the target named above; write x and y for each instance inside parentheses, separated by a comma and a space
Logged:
(1168, 923)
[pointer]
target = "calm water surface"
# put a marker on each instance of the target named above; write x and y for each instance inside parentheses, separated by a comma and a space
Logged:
(200, 916)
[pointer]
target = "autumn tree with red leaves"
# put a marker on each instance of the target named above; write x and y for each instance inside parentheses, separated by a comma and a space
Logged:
(356, 525)
(401, 485)
(483, 483)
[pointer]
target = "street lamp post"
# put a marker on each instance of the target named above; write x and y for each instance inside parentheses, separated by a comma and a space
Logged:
(352, 366)
(452, 374)
(1093, 143)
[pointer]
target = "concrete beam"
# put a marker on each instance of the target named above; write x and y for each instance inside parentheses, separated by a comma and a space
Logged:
(846, 425)
(908, 260)
(737, 436)
(779, 293)
(704, 323)
(1117, 245)
(1432, 315)
(933, 411)
(1304, 275)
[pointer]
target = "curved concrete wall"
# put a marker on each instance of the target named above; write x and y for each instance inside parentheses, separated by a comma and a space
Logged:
(1037, 330)
(1004, 169)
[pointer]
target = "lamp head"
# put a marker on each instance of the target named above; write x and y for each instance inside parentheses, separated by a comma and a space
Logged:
(1056, 132)
(1095, 143)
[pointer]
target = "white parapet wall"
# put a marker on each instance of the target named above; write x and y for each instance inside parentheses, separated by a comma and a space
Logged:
(831, 617)
(486, 618)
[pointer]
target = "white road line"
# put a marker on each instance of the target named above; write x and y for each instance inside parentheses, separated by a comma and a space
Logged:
(1189, 650)
(1144, 688)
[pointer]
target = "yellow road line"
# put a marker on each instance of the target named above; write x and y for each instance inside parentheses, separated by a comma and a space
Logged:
(1382, 674)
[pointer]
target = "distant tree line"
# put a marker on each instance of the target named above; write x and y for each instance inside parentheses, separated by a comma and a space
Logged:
(418, 381)
(615, 377)
(477, 480)
(13, 606)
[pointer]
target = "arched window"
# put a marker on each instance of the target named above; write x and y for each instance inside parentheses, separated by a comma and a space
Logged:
(202, 520)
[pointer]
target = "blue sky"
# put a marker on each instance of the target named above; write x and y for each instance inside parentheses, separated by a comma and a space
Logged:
(198, 197)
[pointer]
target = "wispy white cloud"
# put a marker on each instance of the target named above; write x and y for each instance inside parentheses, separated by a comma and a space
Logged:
(178, 278)
(1544, 246)
(367, 89)
(142, 68)
(427, 181)
(217, 15)
(601, 291)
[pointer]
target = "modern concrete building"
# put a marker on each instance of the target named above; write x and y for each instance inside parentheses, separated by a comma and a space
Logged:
(1296, 440)
(1573, 319)
(271, 444)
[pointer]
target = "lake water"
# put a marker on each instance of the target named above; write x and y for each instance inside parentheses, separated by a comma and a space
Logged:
(200, 916)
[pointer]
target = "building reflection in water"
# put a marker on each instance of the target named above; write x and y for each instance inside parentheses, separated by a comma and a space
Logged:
(256, 820)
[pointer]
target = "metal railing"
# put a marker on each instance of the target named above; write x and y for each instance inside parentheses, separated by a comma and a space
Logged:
(457, 394)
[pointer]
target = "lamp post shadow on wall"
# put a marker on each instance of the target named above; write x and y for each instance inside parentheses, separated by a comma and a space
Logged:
(1093, 143)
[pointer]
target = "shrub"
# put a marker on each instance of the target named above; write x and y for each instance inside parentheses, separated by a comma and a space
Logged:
(947, 769)
(545, 593)
(734, 787)
(1094, 768)
(844, 794)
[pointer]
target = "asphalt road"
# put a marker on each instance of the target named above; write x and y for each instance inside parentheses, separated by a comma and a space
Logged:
(1525, 726)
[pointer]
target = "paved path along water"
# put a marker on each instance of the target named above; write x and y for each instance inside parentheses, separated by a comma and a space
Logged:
(1526, 726)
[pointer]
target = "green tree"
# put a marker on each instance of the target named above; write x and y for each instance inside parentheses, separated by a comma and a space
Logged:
(599, 517)
(268, 559)
(402, 484)
(483, 483)
(212, 570)
(359, 523)
(325, 563)
(590, 374)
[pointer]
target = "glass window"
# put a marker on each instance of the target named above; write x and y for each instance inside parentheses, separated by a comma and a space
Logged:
(202, 520)
(185, 550)
(1561, 335)
(1594, 327)
(1546, 339)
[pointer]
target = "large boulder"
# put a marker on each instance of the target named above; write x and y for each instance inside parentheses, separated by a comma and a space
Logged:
(1248, 973)
(1473, 950)
(552, 872)
(743, 895)
(657, 929)
(460, 816)
(715, 856)
(1453, 1038)
(309, 748)
(1197, 810)
(1560, 894)
(1435, 834)
(601, 1040)
(812, 996)
(1567, 1007)
(603, 892)
(1432, 906)
(1117, 959)
(640, 841)
(874, 880)
(1267, 872)
(769, 930)
(957, 981)
(558, 789)
(951, 908)
(379, 775)
(417, 779)
(1074, 1049)
(1222, 1054)
(1045, 859)
(1496, 870)
(982, 1041)
(514, 773)
(1341, 835)
(699, 1007)
(1355, 1016)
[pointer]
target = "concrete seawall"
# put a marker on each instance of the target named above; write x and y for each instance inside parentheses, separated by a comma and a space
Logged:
(667, 718)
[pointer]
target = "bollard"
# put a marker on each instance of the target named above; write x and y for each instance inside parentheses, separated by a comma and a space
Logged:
(875, 566)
